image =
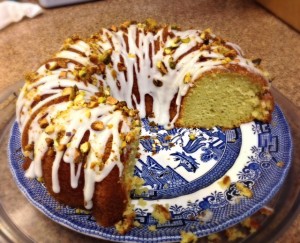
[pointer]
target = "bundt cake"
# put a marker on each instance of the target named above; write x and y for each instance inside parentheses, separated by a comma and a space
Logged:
(79, 113)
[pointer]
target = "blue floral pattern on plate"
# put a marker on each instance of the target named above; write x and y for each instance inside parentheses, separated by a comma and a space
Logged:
(183, 169)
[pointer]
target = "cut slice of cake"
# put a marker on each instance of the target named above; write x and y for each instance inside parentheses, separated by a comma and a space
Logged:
(228, 98)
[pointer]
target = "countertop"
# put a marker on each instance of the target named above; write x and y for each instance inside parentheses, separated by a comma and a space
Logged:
(27, 44)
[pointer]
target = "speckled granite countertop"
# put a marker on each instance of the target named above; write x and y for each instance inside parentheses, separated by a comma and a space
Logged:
(26, 44)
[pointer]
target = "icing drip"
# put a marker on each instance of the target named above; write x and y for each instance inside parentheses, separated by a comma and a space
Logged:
(163, 64)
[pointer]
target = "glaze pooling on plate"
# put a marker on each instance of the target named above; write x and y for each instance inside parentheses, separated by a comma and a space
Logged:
(262, 159)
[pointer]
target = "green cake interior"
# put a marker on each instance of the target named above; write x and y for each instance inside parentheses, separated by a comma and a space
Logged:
(222, 99)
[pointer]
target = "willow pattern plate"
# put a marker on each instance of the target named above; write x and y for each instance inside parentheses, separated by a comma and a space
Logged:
(209, 179)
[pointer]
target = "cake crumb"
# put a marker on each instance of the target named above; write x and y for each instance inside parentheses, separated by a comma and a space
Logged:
(244, 191)
(137, 182)
(137, 224)
(188, 237)
(142, 202)
(205, 216)
(225, 182)
(234, 234)
(251, 224)
(81, 211)
(280, 164)
(161, 213)
(214, 237)
(140, 191)
(152, 228)
(124, 225)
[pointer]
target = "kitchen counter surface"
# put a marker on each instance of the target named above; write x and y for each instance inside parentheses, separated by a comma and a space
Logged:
(27, 44)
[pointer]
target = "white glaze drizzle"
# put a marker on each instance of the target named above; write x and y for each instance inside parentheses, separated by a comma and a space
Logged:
(172, 81)
(140, 60)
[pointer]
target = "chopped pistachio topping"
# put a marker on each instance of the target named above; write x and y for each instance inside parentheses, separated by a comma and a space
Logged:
(129, 137)
(151, 24)
(79, 99)
(63, 74)
(49, 129)
(31, 77)
(114, 74)
(169, 50)
(126, 24)
(205, 33)
(82, 72)
(226, 60)
(97, 126)
(172, 63)
(131, 55)
(111, 100)
(105, 57)
(52, 66)
(187, 78)
(85, 147)
(123, 144)
(162, 67)
(114, 28)
(71, 91)
(186, 40)
(43, 123)
(87, 113)
(101, 100)
(92, 104)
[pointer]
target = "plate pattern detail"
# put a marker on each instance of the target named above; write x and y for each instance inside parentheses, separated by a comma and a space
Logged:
(181, 161)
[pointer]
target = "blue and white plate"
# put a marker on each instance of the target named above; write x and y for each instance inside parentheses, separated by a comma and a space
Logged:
(184, 169)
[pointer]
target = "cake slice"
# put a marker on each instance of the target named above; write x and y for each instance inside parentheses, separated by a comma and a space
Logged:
(226, 98)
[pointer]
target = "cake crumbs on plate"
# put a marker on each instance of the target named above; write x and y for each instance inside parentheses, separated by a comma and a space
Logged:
(225, 182)
(205, 216)
(280, 164)
(233, 234)
(124, 225)
(142, 202)
(137, 224)
(161, 213)
(244, 190)
(188, 237)
(213, 238)
(251, 224)
(152, 228)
